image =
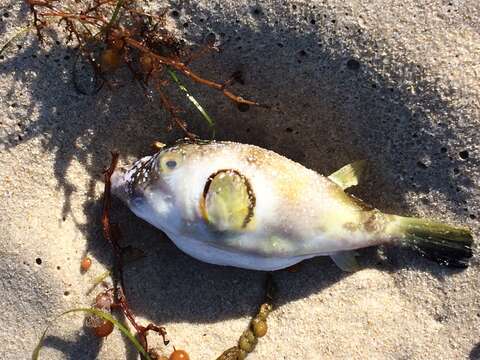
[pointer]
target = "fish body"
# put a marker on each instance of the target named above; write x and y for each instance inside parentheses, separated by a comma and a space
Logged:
(239, 205)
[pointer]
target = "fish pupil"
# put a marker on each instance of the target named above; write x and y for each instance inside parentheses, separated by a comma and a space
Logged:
(171, 164)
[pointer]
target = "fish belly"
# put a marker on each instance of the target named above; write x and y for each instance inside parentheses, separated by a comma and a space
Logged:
(209, 253)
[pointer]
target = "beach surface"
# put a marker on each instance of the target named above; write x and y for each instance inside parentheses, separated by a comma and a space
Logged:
(396, 83)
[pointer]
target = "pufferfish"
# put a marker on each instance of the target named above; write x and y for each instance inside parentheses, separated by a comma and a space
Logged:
(240, 205)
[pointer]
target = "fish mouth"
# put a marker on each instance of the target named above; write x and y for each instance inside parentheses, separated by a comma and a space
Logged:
(128, 181)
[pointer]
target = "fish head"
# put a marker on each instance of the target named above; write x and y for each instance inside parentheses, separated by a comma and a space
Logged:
(189, 188)
(152, 186)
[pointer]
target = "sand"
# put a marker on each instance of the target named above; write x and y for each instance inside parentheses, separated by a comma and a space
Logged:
(397, 83)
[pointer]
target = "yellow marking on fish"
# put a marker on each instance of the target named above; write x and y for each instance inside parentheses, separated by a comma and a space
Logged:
(228, 202)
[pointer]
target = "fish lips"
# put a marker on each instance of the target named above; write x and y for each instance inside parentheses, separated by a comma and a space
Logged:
(119, 186)
(126, 179)
(130, 184)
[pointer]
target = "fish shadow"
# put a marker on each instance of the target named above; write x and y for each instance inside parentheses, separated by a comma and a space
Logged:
(475, 353)
(328, 107)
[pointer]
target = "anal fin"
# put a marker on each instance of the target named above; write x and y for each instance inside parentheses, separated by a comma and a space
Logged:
(346, 261)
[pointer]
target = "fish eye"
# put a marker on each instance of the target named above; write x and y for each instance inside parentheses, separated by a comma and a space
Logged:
(170, 161)
(171, 164)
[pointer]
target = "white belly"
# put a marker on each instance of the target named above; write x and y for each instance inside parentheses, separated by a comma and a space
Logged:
(214, 255)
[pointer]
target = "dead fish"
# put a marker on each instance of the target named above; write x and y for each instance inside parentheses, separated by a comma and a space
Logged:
(239, 205)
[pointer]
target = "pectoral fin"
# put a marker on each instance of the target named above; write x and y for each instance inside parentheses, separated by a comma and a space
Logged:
(346, 261)
(228, 201)
(349, 175)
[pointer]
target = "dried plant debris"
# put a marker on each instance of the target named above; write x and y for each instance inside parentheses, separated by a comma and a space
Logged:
(98, 317)
(110, 34)
(257, 328)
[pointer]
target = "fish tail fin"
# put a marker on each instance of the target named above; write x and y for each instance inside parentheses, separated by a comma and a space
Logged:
(448, 245)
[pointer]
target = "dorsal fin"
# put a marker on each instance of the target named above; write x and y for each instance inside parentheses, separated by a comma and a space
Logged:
(349, 175)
